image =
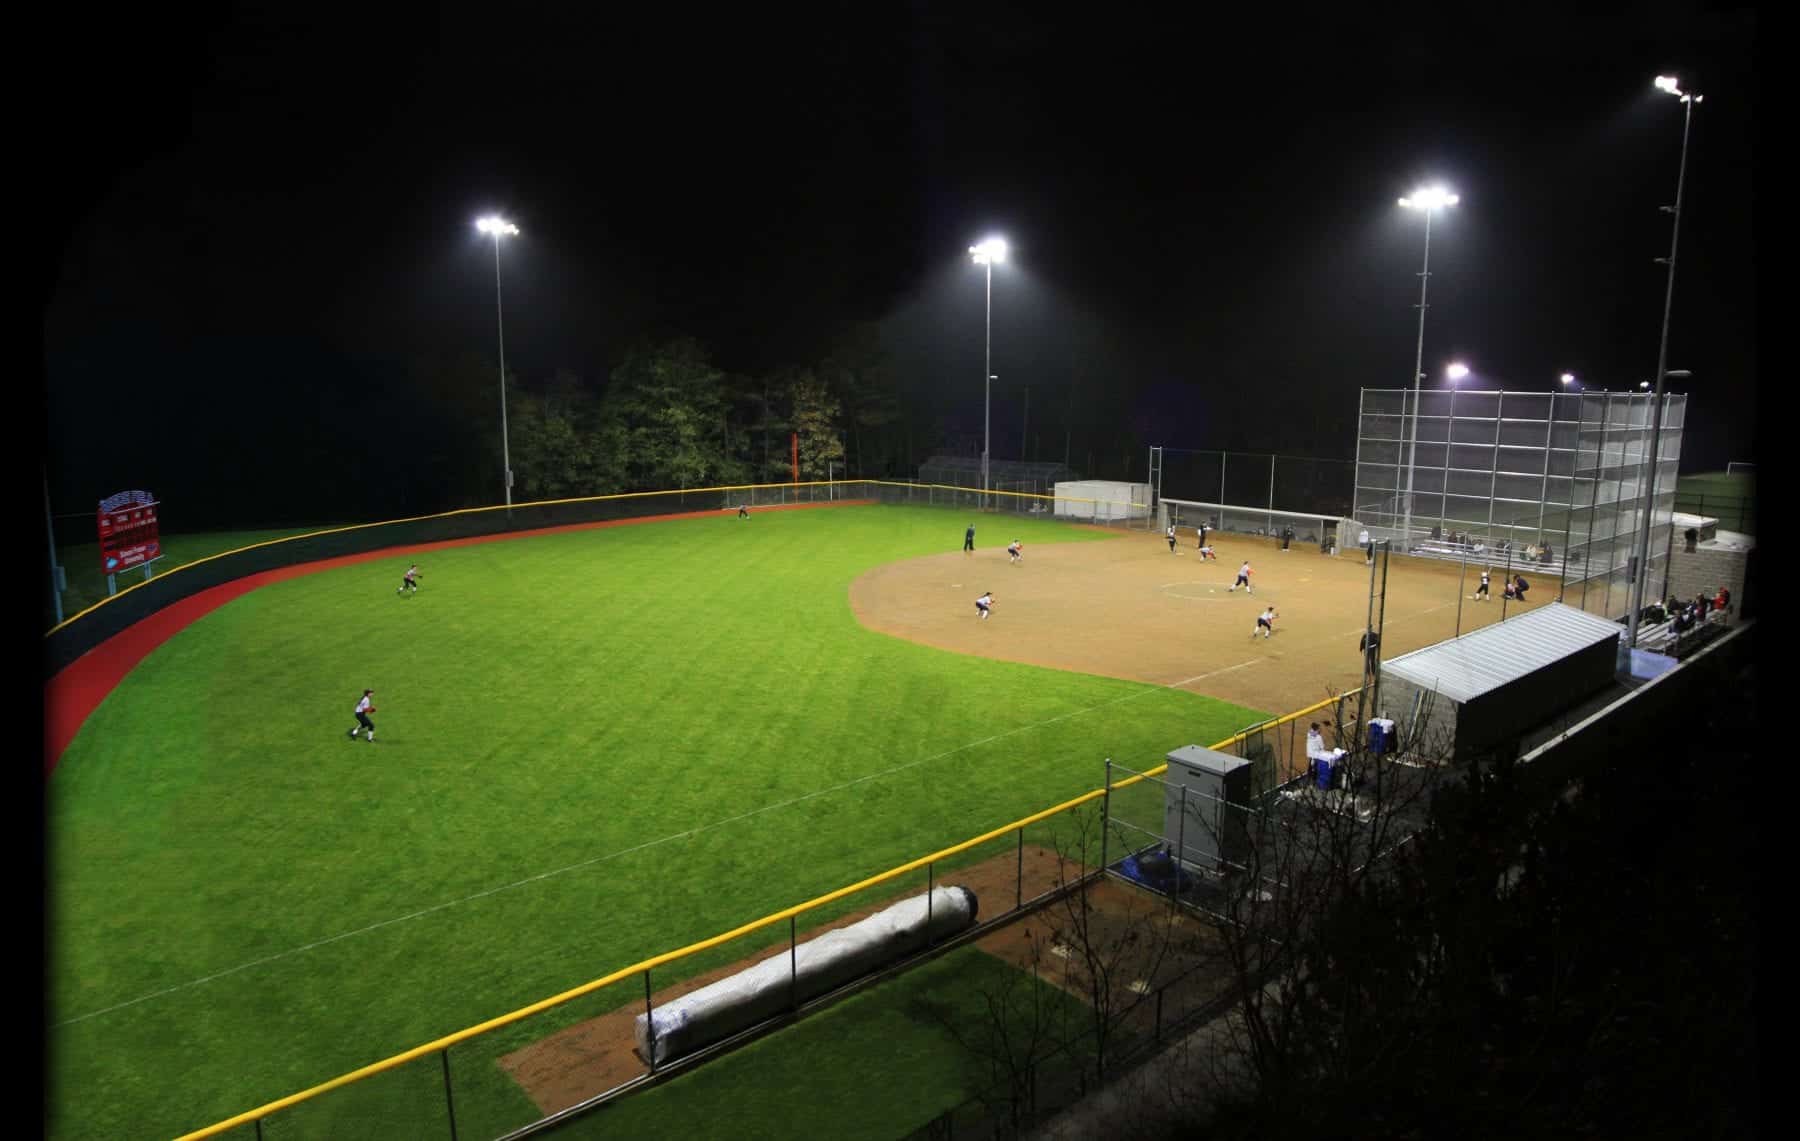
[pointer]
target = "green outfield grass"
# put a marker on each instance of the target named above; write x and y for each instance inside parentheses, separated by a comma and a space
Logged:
(1731, 499)
(87, 581)
(594, 746)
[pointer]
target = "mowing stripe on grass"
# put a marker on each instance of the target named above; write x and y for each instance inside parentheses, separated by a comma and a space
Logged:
(615, 855)
(79, 688)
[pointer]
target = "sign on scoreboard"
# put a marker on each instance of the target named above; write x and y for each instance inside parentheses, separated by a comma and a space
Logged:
(128, 534)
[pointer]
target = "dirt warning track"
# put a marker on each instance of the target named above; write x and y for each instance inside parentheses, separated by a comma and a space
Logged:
(1127, 608)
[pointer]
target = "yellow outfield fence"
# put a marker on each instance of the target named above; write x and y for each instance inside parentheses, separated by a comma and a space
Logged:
(1046, 874)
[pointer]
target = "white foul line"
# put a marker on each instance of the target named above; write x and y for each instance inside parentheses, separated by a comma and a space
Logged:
(1215, 673)
(602, 859)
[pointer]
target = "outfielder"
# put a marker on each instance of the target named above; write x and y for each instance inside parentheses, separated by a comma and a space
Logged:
(363, 708)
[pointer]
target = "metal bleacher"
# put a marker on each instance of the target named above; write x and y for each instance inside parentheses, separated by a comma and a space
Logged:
(1480, 553)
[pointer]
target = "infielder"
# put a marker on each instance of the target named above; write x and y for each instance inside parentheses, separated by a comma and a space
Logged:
(985, 604)
(1243, 578)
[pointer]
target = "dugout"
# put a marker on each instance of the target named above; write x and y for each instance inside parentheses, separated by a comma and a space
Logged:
(1485, 690)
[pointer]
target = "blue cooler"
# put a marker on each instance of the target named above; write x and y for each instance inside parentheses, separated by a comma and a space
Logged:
(1381, 735)
(1322, 772)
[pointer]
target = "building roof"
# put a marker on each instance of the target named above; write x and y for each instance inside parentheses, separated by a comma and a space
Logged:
(1483, 660)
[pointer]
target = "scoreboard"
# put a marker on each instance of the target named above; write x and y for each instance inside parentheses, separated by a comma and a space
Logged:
(128, 534)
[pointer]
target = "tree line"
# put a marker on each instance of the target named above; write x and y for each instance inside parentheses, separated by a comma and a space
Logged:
(668, 416)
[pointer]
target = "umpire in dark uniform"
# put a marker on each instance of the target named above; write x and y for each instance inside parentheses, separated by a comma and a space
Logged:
(1371, 650)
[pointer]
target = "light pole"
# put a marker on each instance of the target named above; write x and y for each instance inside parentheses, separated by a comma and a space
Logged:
(1569, 382)
(986, 254)
(1669, 84)
(1429, 199)
(500, 227)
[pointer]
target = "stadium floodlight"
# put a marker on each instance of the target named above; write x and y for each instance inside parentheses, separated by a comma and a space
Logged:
(1426, 199)
(1672, 85)
(1567, 378)
(1669, 84)
(499, 227)
(986, 255)
(1456, 371)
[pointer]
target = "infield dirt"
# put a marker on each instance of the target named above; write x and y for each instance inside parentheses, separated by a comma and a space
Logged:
(1127, 608)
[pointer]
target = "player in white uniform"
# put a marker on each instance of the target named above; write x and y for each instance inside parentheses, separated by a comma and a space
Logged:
(1243, 578)
(1265, 623)
(363, 708)
(1016, 551)
(985, 604)
(1171, 538)
(1481, 592)
(411, 581)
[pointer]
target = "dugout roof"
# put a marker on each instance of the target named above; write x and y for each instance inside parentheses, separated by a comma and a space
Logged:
(1484, 660)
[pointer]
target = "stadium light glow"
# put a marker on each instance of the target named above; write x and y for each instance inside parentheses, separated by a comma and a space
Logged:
(1430, 198)
(1457, 371)
(990, 252)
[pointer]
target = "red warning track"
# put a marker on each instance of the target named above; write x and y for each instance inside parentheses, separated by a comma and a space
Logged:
(79, 688)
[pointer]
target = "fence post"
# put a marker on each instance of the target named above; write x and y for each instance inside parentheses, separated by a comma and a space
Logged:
(1105, 814)
(1180, 842)
(1159, 998)
(793, 968)
(649, 1023)
(449, 1098)
(1019, 875)
(929, 937)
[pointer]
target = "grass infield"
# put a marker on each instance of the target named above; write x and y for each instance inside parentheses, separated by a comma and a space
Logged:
(593, 746)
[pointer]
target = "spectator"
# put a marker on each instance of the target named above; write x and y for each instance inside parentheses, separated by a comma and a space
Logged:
(1544, 556)
(1722, 602)
(1371, 651)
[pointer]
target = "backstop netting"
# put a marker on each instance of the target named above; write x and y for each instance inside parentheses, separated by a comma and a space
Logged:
(1556, 479)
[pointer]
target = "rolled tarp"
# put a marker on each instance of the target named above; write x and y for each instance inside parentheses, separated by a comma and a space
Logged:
(816, 967)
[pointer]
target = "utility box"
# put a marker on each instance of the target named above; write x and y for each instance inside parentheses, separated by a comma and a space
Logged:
(1206, 811)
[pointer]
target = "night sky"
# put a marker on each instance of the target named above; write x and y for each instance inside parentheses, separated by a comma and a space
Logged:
(254, 209)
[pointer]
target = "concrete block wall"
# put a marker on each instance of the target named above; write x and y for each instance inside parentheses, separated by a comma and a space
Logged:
(1707, 568)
